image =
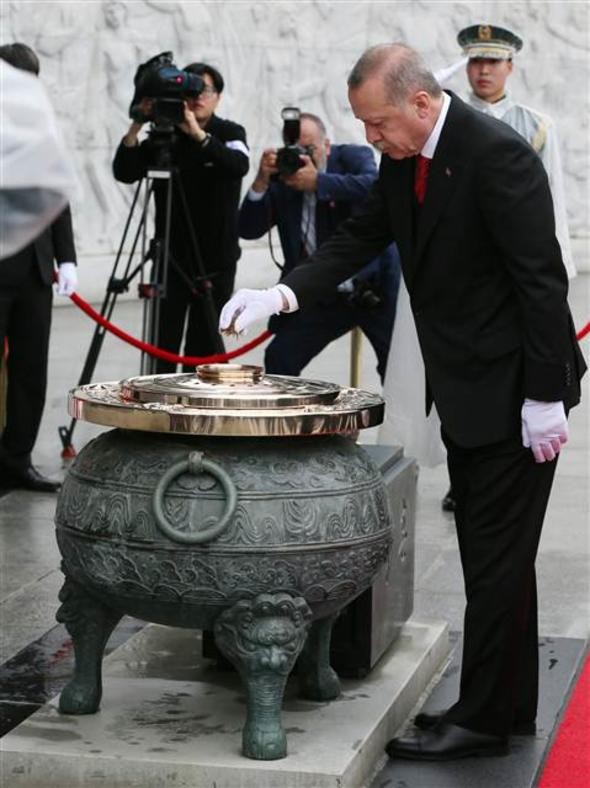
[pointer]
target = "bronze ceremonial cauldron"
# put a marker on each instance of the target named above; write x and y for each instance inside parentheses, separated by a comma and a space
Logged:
(224, 500)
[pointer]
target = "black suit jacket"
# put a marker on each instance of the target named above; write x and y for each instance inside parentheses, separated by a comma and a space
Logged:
(210, 178)
(54, 245)
(483, 269)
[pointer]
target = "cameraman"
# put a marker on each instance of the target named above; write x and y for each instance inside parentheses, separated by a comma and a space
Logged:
(211, 157)
(307, 206)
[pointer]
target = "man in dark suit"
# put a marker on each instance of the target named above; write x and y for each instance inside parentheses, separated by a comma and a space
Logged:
(468, 202)
(307, 206)
(26, 295)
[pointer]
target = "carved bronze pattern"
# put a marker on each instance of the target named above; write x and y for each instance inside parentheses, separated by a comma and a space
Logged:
(196, 577)
(326, 492)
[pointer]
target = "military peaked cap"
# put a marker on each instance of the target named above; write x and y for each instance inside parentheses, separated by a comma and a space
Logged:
(489, 41)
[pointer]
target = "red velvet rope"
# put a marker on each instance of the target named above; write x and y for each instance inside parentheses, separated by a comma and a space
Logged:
(217, 358)
(165, 354)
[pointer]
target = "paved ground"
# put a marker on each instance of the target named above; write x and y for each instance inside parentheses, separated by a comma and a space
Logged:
(29, 561)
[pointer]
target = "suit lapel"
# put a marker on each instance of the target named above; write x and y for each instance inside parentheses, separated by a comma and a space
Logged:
(402, 185)
(445, 169)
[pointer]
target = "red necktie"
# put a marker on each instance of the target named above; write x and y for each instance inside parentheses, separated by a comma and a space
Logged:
(421, 177)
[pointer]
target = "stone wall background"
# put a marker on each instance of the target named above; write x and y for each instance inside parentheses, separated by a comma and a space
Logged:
(273, 54)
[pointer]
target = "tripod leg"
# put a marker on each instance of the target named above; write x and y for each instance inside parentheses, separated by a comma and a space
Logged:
(114, 287)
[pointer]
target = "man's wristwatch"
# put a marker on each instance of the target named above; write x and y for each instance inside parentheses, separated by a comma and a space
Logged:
(205, 141)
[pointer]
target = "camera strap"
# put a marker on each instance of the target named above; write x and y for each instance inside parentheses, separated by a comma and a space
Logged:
(280, 266)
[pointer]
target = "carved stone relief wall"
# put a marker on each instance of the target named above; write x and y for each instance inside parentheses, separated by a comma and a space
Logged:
(277, 53)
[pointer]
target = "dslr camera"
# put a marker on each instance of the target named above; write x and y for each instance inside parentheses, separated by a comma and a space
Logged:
(167, 86)
(288, 157)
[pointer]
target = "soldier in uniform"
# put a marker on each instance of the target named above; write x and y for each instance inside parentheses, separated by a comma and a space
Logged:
(490, 51)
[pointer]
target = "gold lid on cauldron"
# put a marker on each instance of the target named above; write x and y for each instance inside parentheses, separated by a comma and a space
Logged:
(226, 399)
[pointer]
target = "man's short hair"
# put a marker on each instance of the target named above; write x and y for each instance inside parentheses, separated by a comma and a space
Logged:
(403, 71)
(205, 68)
(20, 56)
(316, 120)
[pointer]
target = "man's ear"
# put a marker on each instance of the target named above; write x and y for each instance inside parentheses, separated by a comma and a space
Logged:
(421, 102)
(327, 145)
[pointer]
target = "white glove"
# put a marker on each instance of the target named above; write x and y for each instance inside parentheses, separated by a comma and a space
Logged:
(249, 306)
(67, 279)
(444, 74)
(544, 428)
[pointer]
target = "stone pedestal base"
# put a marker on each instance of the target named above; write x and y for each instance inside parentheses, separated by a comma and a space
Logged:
(157, 728)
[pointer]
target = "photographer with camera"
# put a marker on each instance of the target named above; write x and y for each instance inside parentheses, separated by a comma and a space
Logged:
(307, 188)
(209, 157)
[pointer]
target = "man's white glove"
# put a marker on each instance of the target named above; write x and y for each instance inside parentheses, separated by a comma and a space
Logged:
(67, 279)
(249, 306)
(544, 428)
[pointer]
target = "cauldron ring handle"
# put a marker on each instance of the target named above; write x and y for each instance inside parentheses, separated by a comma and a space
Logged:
(195, 464)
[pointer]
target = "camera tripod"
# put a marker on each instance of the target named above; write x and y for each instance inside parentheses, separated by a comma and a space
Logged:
(152, 291)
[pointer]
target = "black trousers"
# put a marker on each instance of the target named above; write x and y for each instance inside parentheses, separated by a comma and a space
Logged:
(302, 335)
(181, 306)
(501, 495)
(25, 318)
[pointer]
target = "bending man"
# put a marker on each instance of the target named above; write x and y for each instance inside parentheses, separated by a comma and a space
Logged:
(468, 202)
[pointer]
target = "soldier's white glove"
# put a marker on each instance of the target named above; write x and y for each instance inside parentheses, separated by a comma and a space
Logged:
(249, 306)
(544, 428)
(67, 279)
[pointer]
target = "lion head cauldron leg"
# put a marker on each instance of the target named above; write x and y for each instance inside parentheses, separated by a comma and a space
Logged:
(89, 624)
(263, 637)
(317, 679)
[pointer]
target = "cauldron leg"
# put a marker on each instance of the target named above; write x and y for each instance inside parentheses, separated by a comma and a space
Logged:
(89, 624)
(317, 679)
(263, 637)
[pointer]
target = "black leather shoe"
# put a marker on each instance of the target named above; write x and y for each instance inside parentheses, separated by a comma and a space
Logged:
(428, 722)
(30, 479)
(446, 743)
(448, 502)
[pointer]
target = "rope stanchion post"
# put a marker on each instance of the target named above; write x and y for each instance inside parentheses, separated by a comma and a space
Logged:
(356, 345)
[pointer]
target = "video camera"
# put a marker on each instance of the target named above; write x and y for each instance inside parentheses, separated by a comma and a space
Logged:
(289, 157)
(167, 86)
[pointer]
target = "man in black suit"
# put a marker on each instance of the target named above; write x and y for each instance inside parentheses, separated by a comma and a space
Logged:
(468, 202)
(26, 295)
